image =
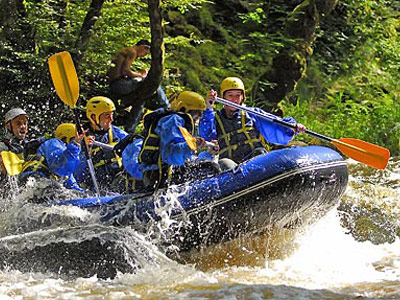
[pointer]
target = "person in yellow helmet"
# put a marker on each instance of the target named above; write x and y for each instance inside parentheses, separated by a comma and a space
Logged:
(164, 145)
(238, 132)
(56, 158)
(100, 113)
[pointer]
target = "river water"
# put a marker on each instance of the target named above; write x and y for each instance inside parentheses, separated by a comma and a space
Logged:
(351, 253)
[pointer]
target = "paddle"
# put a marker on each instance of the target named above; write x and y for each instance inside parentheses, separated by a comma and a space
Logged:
(103, 145)
(367, 153)
(12, 163)
(192, 141)
(66, 83)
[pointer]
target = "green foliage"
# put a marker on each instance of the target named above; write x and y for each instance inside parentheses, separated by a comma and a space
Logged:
(351, 88)
(351, 84)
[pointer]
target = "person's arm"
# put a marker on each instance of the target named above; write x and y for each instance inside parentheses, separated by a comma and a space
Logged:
(173, 147)
(81, 172)
(130, 158)
(62, 159)
(274, 133)
(207, 128)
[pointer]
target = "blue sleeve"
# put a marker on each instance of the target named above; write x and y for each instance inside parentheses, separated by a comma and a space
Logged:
(71, 184)
(274, 133)
(174, 149)
(205, 155)
(81, 172)
(61, 159)
(130, 159)
(207, 128)
(118, 133)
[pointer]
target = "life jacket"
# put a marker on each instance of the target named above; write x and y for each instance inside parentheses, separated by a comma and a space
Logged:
(17, 148)
(237, 137)
(105, 162)
(36, 164)
(150, 153)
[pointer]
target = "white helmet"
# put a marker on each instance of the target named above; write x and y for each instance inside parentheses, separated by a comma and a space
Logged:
(13, 113)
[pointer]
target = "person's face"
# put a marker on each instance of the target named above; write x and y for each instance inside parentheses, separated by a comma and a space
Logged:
(235, 96)
(18, 126)
(106, 119)
(196, 115)
(143, 51)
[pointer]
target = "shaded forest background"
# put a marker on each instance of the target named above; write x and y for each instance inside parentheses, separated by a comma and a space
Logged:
(333, 65)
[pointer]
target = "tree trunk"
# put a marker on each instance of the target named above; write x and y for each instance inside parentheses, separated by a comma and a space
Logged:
(86, 31)
(155, 74)
(146, 92)
(289, 66)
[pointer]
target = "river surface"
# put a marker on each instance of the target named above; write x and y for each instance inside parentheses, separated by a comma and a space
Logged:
(330, 259)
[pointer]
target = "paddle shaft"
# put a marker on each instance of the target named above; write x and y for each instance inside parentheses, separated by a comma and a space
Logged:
(272, 118)
(66, 83)
(103, 145)
(86, 151)
(367, 153)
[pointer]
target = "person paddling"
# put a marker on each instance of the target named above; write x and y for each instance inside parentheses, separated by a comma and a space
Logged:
(107, 164)
(164, 146)
(56, 158)
(240, 133)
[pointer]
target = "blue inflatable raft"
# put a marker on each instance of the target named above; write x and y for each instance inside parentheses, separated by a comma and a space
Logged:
(282, 188)
(276, 189)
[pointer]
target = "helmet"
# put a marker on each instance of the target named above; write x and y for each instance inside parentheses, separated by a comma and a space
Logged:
(232, 83)
(189, 101)
(65, 130)
(98, 105)
(13, 113)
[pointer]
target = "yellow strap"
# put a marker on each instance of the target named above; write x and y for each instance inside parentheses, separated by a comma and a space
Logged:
(106, 161)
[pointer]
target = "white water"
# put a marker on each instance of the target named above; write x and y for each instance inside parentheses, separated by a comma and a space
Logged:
(325, 263)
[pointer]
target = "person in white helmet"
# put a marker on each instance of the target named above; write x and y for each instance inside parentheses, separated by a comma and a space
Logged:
(16, 123)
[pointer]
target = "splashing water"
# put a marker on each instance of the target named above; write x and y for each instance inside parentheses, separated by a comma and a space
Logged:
(323, 261)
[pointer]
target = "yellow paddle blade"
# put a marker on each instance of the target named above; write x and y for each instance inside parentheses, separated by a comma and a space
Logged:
(12, 163)
(65, 79)
(367, 153)
(190, 140)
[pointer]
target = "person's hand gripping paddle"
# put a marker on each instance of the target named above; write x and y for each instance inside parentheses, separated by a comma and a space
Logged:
(367, 153)
(66, 83)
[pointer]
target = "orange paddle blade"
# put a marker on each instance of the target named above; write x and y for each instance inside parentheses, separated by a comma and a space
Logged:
(190, 140)
(64, 77)
(367, 153)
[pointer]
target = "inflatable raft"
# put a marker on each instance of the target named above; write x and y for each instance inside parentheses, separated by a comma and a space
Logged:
(276, 188)
(282, 188)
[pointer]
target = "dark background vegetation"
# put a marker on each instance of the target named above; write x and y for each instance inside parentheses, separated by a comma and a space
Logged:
(333, 65)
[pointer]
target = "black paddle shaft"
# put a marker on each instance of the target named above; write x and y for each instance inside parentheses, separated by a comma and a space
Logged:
(80, 131)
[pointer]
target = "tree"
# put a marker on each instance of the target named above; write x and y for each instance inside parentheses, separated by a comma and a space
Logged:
(289, 66)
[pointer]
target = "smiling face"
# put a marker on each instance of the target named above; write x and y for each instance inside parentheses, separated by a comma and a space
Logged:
(18, 126)
(235, 96)
(106, 119)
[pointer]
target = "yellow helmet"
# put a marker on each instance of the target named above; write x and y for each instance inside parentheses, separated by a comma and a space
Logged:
(98, 105)
(232, 83)
(188, 101)
(65, 130)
